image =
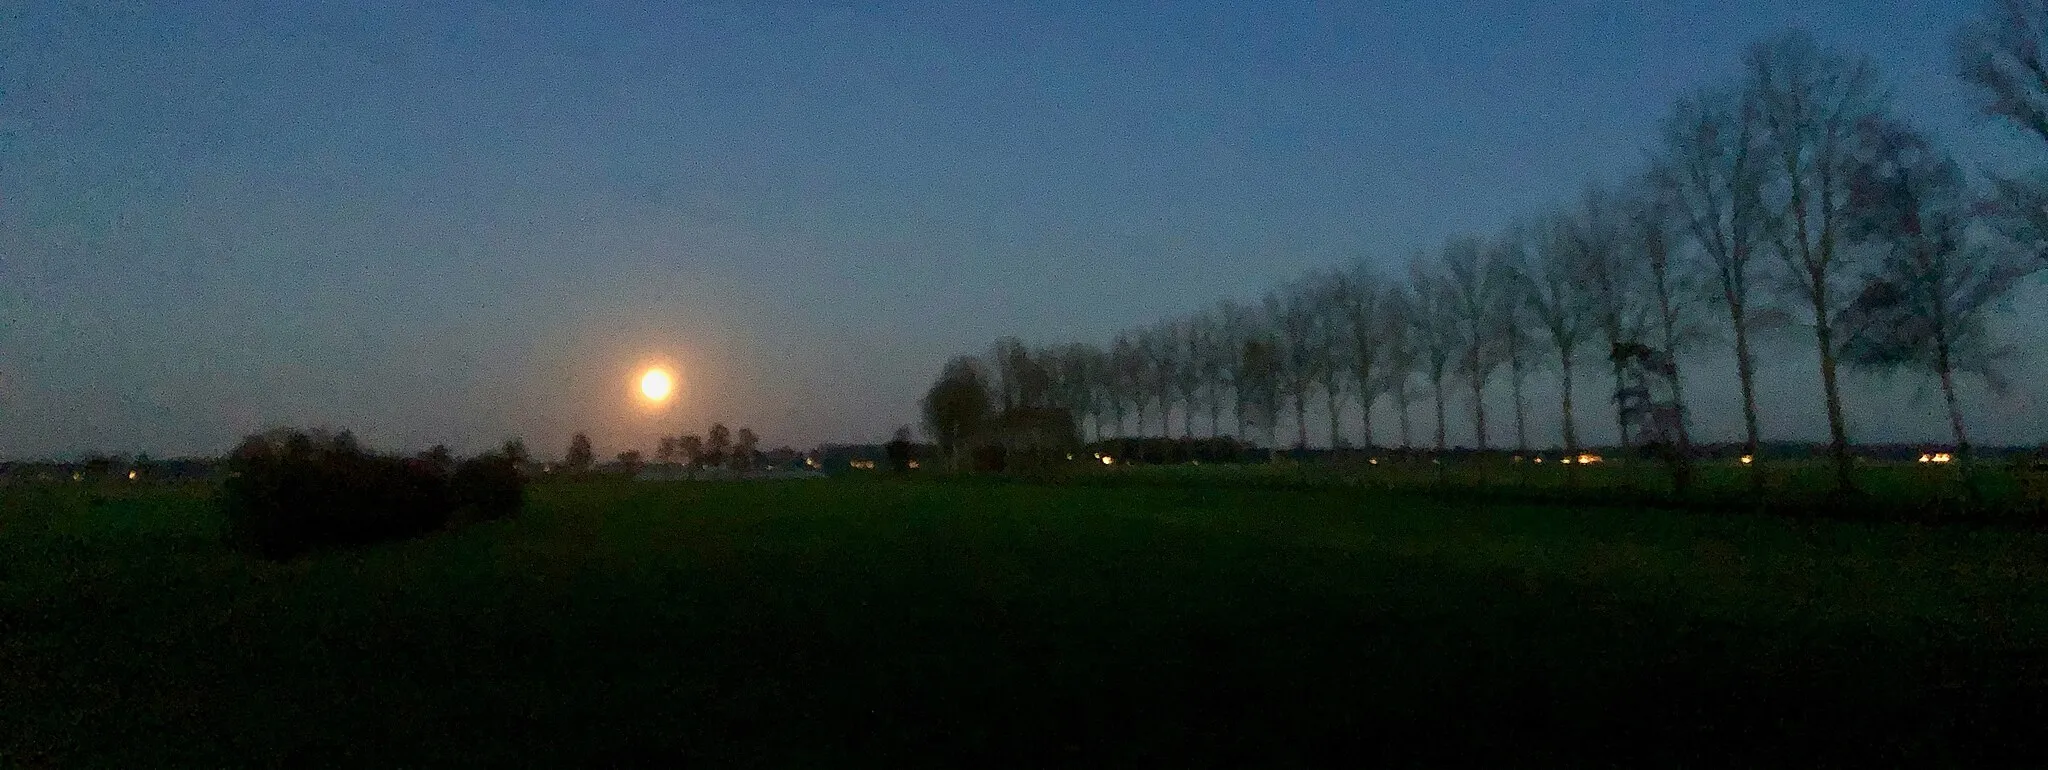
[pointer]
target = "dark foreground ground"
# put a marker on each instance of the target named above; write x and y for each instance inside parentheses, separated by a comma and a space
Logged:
(860, 622)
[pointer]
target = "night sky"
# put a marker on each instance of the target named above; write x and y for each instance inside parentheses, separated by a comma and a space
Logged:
(474, 222)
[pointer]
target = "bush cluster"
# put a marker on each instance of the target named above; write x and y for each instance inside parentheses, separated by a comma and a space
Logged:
(291, 491)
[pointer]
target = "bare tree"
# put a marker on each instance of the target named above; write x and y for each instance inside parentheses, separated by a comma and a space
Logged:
(1363, 307)
(1711, 170)
(1563, 307)
(1597, 233)
(1187, 373)
(1811, 101)
(1402, 353)
(1126, 380)
(1926, 305)
(1212, 363)
(1242, 325)
(1432, 324)
(2002, 55)
(1673, 281)
(1162, 345)
(1511, 322)
(1008, 358)
(1330, 294)
(1293, 312)
(1472, 288)
(1260, 384)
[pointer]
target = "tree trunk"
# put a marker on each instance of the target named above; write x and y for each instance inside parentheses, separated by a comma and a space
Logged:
(1215, 411)
(1333, 399)
(1365, 400)
(1745, 371)
(1955, 412)
(1620, 414)
(1681, 476)
(1436, 385)
(1301, 417)
(1401, 404)
(1838, 430)
(1187, 417)
(1516, 374)
(1479, 410)
(1570, 427)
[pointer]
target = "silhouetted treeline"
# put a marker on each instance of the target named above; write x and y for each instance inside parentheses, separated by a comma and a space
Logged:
(1790, 196)
(291, 491)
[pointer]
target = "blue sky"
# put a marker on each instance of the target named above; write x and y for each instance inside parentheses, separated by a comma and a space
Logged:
(472, 221)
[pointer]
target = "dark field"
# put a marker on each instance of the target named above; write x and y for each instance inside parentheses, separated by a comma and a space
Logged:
(863, 621)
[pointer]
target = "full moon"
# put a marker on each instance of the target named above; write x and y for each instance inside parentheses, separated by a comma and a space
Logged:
(656, 385)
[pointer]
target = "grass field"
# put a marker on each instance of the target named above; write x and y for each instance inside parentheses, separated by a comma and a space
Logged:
(882, 622)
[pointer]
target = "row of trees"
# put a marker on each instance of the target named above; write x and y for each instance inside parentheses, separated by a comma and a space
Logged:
(1793, 194)
(719, 447)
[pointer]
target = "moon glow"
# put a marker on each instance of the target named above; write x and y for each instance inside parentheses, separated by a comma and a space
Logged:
(656, 385)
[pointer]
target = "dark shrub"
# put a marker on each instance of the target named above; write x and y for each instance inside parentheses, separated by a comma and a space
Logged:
(292, 491)
(489, 486)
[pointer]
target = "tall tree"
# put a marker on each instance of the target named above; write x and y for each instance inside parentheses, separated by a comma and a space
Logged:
(1927, 304)
(1260, 384)
(1403, 353)
(1074, 378)
(1011, 362)
(2001, 55)
(1331, 341)
(1511, 322)
(1242, 324)
(1212, 364)
(1127, 380)
(1161, 343)
(1562, 304)
(1187, 373)
(2004, 55)
(1473, 287)
(957, 408)
(1712, 168)
(1597, 232)
(1673, 282)
(1363, 310)
(1293, 312)
(1433, 326)
(1811, 101)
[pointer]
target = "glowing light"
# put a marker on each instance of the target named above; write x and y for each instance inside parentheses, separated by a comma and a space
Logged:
(1940, 457)
(656, 385)
(913, 465)
(1107, 460)
(1747, 459)
(1373, 461)
(1566, 460)
(1539, 459)
(131, 475)
(865, 465)
(1926, 458)
(1588, 459)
